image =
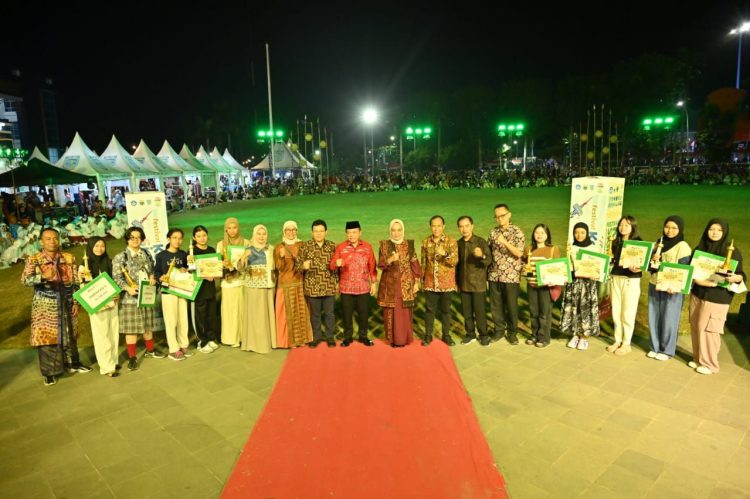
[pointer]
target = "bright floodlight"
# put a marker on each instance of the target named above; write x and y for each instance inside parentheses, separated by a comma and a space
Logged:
(743, 28)
(680, 103)
(369, 116)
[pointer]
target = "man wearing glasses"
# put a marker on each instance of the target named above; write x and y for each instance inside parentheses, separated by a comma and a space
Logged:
(506, 246)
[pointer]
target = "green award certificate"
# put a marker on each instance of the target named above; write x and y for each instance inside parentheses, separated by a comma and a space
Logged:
(636, 254)
(208, 265)
(146, 294)
(705, 265)
(183, 284)
(98, 293)
(554, 272)
(674, 277)
(234, 253)
(591, 265)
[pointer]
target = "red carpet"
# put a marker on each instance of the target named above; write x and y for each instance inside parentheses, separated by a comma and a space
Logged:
(363, 422)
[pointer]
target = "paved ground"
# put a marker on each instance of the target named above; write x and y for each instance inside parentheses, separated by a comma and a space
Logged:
(561, 423)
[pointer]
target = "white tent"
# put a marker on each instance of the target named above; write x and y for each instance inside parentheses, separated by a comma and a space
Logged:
(208, 174)
(169, 157)
(145, 156)
(284, 159)
(227, 158)
(116, 155)
(36, 153)
(80, 159)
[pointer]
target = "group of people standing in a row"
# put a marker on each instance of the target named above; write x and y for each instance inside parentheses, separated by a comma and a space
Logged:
(283, 296)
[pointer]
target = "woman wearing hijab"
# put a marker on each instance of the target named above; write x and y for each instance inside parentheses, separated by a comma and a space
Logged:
(664, 307)
(399, 283)
(258, 334)
(292, 318)
(624, 288)
(580, 308)
(105, 325)
(232, 285)
(709, 303)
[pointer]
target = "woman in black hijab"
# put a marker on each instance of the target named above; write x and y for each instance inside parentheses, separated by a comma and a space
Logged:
(709, 301)
(580, 308)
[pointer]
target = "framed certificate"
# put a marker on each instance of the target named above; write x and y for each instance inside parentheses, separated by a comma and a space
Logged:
(674, 277)
(636, 254)
(98, 293)
(208, 265)
(705, 265)
(554, 272)
(147, 294)
(183, 284)
(234, 253)
(591, 265)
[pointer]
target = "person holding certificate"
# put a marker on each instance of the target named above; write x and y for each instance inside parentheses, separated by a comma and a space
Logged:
(540, 301)
(709, 302)
(105, 326)
(129, 268)
(232, 285)
(664, 307)
(624, 287)
(203, 308)
(173, 307)
(580, 308)
(256, 263)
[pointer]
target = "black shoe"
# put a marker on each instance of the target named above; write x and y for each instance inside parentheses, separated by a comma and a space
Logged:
(331, 343)
(484, 341)
(513, 340)
(346, 342)
(530, 341)
(496, 337)
(314, 343)
(468, 339)
(132, 364)
(49, 380)
(366, 342)
(113, 375)
(118, 367)
(448, 341)
(154, 354)
(79, 368)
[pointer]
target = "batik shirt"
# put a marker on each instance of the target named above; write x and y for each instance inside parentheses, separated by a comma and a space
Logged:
(439, 271)
(319, 280)
(506, 267)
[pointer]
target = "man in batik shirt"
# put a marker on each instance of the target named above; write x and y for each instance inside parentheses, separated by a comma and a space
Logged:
(439, 259)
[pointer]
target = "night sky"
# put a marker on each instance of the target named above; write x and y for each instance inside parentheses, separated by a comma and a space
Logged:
(145, 70)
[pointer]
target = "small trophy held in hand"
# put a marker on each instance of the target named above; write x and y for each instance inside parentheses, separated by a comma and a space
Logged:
(726, 267)
(168, 274)
(86, 274)
(191, 259)
(129, 279)
(656, 257)
(529, 268)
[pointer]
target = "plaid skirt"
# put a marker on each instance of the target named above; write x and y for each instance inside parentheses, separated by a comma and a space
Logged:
(135, 319)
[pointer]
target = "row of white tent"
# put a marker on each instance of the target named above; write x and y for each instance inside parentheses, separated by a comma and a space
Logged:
(117, 167)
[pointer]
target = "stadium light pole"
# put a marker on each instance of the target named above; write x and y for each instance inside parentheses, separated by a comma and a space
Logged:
(739, 30)
(369, 118)
(683, 105)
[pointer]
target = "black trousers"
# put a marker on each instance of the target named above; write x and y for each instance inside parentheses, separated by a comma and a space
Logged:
(504, 298)
(440, 302)
(205, 319)
(473, 306)
(324, 305)
(362, 304)
(540, 308)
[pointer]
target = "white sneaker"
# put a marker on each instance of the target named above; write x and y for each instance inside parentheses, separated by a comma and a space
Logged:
(703, 370)
(652, 354)
(692, 364)
(573, 342)
(206, 349)
(662, 356)
(213, 345)
(583, 344)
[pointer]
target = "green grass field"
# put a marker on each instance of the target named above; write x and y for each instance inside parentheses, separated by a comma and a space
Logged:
(649, 204)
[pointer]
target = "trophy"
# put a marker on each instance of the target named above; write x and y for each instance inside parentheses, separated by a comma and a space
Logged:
(726, 267)
(529, 269)
(130, 280)
(609, 249)
(37, 279)
(656, 257)
(86, 270)
(191, 259)
(169, 272)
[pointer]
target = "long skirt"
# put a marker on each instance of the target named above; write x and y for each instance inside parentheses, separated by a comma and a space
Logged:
(135, 319)
(664, 311)
(259, 331)
(397, 322)
(706, 327)
(232, 314)
(580, 309)
(105, 331)
(293, 326)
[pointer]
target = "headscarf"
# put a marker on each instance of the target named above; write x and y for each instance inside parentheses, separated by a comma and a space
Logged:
(232, 242)
(586, 242)
(671, 242)
(98, 264)
(291, 224)
(390, 226)
(253, 242)
(715, 247)
(257, 254)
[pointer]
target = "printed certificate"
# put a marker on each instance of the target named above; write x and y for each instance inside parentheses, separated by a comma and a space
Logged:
(636, 254)
(183, 284)
(98, 293)
(234, 253)
(591, 265)
(209, 265)
(554, 272)
(705, 265)
(147, 294)
(674, 277)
